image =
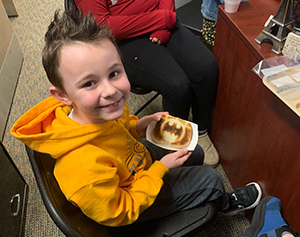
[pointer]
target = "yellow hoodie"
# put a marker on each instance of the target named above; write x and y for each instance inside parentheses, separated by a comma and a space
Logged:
(101, 168)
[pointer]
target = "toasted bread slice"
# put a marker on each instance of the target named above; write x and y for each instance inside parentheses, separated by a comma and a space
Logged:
(172, 131)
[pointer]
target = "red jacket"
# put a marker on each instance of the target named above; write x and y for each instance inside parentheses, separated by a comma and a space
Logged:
(131, 18)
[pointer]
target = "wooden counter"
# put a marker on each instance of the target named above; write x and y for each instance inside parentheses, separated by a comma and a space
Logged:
(256, 134)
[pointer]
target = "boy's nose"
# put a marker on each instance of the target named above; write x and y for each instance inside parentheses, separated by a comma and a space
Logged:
(108, 89)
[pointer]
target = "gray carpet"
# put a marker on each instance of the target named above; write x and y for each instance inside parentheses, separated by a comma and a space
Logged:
(30, 26)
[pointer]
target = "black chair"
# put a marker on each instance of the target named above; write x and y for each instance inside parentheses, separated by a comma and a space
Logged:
(135, 89)
(72, 222)
(141, 91)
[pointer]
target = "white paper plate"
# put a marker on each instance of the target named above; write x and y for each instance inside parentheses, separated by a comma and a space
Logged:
(190, 147)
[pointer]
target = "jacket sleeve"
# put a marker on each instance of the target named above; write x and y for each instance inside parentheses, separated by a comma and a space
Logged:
(110, 202)
(128, 26)
(162, 35)
(167, 5)
(165, 34)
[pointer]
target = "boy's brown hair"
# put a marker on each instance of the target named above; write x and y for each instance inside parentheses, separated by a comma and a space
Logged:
(67, 29)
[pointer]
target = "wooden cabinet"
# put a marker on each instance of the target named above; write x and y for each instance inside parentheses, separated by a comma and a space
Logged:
(10, 8)
(256, 134)
(11, 59)
(13, 197)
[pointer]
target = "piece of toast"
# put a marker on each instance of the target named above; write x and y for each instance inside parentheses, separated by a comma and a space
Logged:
(172, 131)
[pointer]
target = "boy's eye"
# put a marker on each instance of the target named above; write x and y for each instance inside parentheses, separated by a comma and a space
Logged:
(113, 74)
(88, 84)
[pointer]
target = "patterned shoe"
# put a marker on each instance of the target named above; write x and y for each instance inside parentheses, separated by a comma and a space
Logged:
(211, 156)
(208, 31)
(244, 198)
(267, 220)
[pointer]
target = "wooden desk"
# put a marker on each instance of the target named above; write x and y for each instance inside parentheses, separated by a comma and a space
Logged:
(256, 134)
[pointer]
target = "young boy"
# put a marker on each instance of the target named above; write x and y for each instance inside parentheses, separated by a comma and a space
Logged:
(101, 165)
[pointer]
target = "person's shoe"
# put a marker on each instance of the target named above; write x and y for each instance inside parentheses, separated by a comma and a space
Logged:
(243, 198)
(211, 156)
(267, 220)
(208, 31)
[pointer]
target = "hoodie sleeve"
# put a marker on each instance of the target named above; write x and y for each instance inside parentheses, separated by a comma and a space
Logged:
(164, 34)
(112, 202)
(130, 25)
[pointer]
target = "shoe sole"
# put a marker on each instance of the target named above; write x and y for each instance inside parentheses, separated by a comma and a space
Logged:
(257, 220)
(250, 207)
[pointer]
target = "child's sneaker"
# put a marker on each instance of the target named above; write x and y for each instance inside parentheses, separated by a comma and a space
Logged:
(244, 198)
(267, 220)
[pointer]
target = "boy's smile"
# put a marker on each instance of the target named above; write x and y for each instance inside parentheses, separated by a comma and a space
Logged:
(111, 105)
(94, 80)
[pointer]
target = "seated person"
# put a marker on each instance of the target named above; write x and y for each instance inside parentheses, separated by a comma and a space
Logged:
(209, 10)
(101, 166)
(268, 222)
(160, 54)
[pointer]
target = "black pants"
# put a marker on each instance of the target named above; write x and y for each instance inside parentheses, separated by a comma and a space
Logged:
(185, 187)
(183, 71)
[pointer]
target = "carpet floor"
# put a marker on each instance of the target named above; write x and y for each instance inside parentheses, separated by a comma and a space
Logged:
(30, 27)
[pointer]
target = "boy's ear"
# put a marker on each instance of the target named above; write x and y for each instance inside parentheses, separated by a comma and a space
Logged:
(60, 96)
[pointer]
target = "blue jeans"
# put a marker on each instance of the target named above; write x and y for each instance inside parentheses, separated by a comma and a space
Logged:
(185, 187)
(183, 71)
(209, 9)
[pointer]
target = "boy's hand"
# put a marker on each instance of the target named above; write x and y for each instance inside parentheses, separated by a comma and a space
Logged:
(142, 124)
(176, 159)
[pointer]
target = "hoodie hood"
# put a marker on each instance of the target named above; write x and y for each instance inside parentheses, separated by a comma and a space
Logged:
(49, 121)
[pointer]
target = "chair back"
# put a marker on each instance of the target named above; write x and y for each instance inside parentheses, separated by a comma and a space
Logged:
(72, 222)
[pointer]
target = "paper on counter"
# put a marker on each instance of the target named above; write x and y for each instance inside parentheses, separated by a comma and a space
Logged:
(273, 70)
(286, 85)
(283, 81)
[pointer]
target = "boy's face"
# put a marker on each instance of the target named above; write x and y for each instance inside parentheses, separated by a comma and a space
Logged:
(95, 81)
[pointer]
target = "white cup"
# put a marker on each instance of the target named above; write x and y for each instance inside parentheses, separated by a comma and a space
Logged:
(232, 6)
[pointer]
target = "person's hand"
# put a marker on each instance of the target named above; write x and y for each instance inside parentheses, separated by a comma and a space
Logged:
(160, 37)
(176, 159)
(155, 40)
(143, 123)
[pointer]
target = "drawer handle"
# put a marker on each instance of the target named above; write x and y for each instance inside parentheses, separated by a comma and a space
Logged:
(15, 205)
